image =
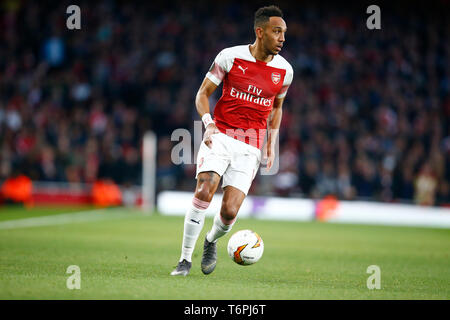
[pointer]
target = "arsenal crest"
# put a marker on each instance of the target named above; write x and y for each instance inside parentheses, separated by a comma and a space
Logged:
(276, 77)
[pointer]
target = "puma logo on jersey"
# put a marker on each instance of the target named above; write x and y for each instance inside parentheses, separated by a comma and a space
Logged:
(243, 70)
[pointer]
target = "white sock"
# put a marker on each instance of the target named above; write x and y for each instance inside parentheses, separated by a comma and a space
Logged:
(219, 228)
(193, 224)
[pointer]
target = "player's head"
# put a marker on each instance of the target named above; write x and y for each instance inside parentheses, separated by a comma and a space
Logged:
(269, 28)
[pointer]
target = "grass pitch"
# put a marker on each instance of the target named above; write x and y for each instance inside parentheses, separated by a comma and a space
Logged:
(123, 254)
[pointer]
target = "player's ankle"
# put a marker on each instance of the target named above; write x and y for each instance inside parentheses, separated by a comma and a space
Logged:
(210, 237)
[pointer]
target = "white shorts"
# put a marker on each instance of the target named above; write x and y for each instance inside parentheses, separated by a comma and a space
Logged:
(236, 161)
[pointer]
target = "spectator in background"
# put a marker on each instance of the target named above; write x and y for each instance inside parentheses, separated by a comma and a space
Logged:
(327, 183)
(53, 51)
(345, 188)
(286, 181)
(366, 181)
(308, 178)
(425, 186)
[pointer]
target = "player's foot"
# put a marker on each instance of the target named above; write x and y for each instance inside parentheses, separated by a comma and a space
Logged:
(209, 257)
(182, 268)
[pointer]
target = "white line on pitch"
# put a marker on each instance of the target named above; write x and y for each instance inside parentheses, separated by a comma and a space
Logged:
(65, 218)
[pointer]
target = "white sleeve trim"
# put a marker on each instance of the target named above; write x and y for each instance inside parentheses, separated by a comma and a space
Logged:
(213, 78)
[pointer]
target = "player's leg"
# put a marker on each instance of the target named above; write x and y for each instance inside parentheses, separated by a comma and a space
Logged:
(237, 180)
(207, 183)
(211, 165)
(223, 223)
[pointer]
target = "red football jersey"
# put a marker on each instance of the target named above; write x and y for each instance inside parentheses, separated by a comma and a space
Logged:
(250, 87)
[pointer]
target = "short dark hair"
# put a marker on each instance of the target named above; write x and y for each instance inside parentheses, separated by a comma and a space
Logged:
(262, 15)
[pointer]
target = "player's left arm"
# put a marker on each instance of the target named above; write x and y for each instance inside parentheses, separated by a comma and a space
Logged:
(274, 123)
(274, 120)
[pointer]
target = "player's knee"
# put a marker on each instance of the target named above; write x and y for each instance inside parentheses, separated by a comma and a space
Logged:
(229, 211)
(203, 193)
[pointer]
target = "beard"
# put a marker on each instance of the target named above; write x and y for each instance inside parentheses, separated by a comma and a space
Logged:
(271, 51)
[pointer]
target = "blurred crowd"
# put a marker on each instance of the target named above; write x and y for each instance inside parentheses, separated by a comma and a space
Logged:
(365, 118)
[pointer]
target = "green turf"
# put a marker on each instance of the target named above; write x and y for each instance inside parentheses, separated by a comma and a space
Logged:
(20, 212)
(131, 258)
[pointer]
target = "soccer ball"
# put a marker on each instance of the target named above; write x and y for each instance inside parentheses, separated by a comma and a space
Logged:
(245, 247)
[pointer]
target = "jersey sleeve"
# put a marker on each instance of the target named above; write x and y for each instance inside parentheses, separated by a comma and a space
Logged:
(220, 67)
(286, 83)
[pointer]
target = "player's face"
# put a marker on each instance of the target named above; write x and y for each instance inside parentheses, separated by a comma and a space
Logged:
(273, 37)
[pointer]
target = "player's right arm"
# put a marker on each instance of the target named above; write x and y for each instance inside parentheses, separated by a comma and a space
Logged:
(202, 104)
(216, 73)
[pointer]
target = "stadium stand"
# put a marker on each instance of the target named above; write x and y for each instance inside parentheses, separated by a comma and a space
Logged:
(365, 118)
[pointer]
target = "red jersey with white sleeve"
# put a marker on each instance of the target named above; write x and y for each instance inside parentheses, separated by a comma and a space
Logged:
(250, 87)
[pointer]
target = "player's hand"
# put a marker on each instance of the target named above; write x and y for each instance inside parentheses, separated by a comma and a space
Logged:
(210, 130)
(269, 155)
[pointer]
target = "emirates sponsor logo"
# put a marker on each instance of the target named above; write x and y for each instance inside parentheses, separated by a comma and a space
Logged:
(250, 98)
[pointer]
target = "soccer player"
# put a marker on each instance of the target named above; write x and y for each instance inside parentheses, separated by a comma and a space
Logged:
(255, 81)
